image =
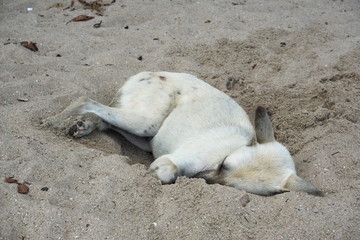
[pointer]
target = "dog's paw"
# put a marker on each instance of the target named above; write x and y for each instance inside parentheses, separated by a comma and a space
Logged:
(80, 128)
(164, 170)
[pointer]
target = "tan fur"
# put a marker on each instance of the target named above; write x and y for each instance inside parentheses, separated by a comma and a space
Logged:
(193, 130)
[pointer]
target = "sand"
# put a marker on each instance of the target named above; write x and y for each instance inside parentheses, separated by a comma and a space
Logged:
(301, 60)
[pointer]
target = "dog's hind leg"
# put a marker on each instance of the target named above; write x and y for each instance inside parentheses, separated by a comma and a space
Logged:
(80, 123)
(88, 121)
(130, 120)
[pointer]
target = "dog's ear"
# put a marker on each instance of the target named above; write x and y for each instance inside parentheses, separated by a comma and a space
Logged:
(295, 183)
(263, 127)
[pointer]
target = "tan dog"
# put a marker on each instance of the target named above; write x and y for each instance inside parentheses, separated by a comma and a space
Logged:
(193, 130)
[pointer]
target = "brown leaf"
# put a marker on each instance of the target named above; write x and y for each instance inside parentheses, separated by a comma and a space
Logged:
(22, 188)
(10, 180)
(93, 5)
(84, 2)
(29, 45)
(96, 5)
(81, 18)
(55, 5)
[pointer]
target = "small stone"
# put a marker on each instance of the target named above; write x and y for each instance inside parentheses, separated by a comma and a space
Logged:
(244, 200)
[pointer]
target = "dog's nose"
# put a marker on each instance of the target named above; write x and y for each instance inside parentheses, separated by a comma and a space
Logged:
(79, 123)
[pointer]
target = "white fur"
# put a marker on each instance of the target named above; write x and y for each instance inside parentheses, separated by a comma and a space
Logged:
(193, 130)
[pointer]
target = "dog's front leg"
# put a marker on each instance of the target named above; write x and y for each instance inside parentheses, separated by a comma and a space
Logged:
(164, 169)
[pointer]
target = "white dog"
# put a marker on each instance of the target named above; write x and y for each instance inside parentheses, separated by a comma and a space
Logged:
(193, 130)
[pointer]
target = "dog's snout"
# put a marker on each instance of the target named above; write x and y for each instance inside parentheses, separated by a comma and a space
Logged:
(79, 123)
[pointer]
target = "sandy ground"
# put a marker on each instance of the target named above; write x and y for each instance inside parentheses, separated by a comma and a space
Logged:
(301, 60)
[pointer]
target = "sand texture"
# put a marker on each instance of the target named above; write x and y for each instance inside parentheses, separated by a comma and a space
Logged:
(299, 59)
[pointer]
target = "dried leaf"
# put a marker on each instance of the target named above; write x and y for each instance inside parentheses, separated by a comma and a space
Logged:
(22, 188)
(10, 180)
(81, 18)
(96, 5)
(29, 45)
(84, 3)
(55, 5)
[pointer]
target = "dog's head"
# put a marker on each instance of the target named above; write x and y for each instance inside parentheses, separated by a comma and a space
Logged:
(264, 167)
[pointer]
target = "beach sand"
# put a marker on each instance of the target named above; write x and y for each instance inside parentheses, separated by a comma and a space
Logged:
(300, 60)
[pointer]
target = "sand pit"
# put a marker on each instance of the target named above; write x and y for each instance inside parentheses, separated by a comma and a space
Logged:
(299, 60)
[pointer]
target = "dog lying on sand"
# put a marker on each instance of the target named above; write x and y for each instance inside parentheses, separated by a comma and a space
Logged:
(193, 130)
